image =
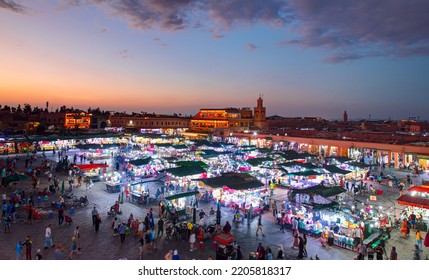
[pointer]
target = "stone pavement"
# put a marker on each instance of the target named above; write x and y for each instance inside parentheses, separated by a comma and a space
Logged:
(104, 246)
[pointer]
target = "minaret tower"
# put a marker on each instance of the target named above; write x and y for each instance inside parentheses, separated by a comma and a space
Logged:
(345, 117)
(260, 118)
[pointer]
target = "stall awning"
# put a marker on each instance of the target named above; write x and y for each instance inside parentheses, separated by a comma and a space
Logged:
(419, 189)
(258, 161)
(318, 207)
(140, 161)
(15, 178)
(213, 153)
(236, 181)
(320, 190)
(336, 170)
(185, 171)
(413, 201)
(305, 173)
(332, 191)
(180, 147)
(180, 195)
(85, 167)
(191, 163)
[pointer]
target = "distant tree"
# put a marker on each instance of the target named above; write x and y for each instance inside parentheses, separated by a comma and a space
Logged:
(89, 110)
(27, 108)
(13, 110)
(19, 109)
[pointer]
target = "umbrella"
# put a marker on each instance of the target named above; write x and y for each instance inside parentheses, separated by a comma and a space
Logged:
(15, 178)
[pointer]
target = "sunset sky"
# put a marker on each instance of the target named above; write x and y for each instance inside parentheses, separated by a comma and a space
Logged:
(307, 57)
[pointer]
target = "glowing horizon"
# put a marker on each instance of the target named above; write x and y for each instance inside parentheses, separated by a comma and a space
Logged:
(307, 59)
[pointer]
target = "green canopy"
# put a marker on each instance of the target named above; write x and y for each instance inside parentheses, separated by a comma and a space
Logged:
(305, 173)
(237, 181)
(320, 190)
(165, 145)
(191, 163)
(264, 150)
(213, 153)
(316, 190)
(180, 195)
(180, 147)
(258, 161)
(332, 191)
(318, 207)
(15, 178)
(336, 170)
(140, 161)
(185, 171)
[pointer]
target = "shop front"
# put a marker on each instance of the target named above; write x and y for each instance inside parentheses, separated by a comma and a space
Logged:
(113, 181)
(92, 171)
(180, 205)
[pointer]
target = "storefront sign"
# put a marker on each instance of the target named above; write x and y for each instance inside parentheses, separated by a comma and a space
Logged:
(372, 197)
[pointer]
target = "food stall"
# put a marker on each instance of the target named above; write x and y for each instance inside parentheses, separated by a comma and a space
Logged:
(140, 167)
(224, 250)
(92, 171)
(239, 189)
(181, 203)
(417, 202)
(139, 191)
(113, 181)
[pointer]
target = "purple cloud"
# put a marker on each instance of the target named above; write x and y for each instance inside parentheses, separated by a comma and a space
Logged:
(12, 6)
(346, 29)
(251, 47)
(357, 29)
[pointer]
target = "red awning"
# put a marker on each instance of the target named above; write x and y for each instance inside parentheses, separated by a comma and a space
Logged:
(84, 167)
(224, 238)
(413, 201)
(419, 189)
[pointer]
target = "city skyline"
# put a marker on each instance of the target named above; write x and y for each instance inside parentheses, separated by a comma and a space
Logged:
(306, 58)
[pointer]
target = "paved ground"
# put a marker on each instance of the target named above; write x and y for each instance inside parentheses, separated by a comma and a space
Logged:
(104, 246)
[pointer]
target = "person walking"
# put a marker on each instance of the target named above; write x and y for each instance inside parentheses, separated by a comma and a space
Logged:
(192, 240)
(60, 216)
(122, 229)
(74, 247)
(97, 222)
(260, 227)
(301, 248)
(419, 240)
(304, 252)
(48, 237)
(94, 215)
(18, 250)
(160, 227)
(28, 245)
(393, 254)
